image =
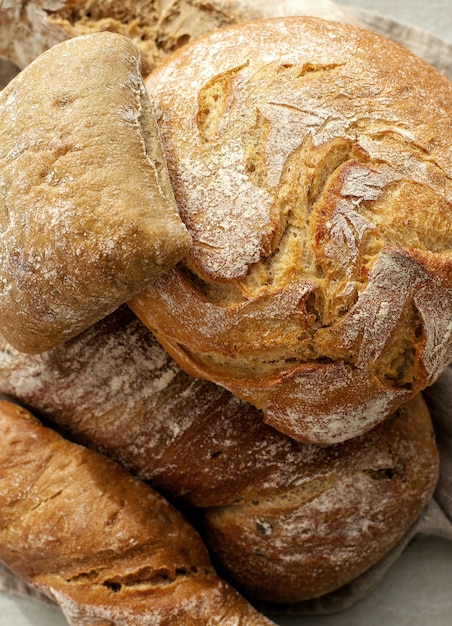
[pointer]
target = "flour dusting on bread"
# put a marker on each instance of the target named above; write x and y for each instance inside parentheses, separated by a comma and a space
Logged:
(88, 213)
(291, 128)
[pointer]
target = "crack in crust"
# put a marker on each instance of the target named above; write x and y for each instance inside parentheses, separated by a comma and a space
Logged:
(141, 577)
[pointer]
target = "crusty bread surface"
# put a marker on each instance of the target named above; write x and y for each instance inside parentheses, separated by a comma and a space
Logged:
(314, 188)
(88, 216)
(351, 504)
(311, 163)
(314, 517)
(102, 544)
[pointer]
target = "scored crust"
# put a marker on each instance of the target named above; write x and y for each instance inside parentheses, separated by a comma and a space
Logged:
(102, 544)
(311, 163)
(87, 213)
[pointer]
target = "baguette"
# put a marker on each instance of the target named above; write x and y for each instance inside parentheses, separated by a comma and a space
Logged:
(88, 216)
(313, 517)
(103, 545)
(311, 163)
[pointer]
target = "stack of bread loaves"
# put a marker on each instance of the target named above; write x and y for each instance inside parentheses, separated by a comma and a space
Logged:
(313, 517)
(223, 288)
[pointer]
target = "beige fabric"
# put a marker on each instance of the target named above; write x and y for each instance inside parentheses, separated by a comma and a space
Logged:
(437, 518)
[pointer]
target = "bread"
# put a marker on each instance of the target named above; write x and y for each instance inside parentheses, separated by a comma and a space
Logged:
(102, 544)
(311, 164)
(262, 494)
(115, 389)
(312, 517)
(324, 532)
(88, 217)
(7, 72)
(29, 28)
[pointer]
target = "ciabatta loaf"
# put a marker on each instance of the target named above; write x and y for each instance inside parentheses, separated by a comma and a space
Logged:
(311, 163)
(313, 517)
(100, 543)
(87, 213)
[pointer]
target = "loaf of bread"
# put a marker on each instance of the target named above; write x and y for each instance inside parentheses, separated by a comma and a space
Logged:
(313, 517)
(88, 216)
(102, 544)
(345, 512)
(29, 28)
(311, 164)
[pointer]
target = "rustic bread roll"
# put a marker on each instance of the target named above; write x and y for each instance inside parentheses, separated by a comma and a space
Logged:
(313, 517)
(157, 27)
(311, 163)
(100, 543)
(87, 215)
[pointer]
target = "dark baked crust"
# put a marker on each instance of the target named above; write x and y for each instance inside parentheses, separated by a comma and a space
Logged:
(315, 182)
(314, 517)
(99, 542)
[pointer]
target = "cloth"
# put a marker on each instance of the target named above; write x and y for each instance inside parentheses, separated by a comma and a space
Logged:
(437, 517)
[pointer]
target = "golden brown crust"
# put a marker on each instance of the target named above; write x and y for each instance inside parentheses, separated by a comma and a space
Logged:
(87, 213)
(343, 506)
(102, 544)
(316, 186)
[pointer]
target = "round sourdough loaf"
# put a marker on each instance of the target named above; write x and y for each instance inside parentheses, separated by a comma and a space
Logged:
(311, 164)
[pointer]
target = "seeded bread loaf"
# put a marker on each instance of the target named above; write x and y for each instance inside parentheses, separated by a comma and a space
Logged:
(314, 517)
(100, 543)
(87, 213)
(311, 164)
